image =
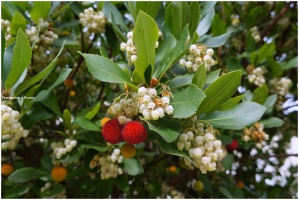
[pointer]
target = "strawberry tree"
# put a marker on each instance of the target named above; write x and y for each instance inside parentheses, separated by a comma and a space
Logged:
(99, 99)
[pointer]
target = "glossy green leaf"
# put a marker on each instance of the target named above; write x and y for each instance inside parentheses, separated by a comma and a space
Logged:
(247, 96)
(86, 124)
(167, 128)
(73, 156)
(199, 78)
(17, 191)
(26, 104)
(180, 16)
(250, 44)
(224, 139)
(237, 117)
(108, 9)
(36, 114)
(231, 103)
(270, 102)
(233, 64)
(186, 102)
(11, 8)
(226, 193)
(260, 94)
(95, 147)
(67, 119)
(205, 23)
(131, 6)
(149, 7)
(20, 59)
(18, 22)
(105, 70)
(213, 76)
(220, 91)
(145, 35)
(181, 81)
(228, 161)
(23, 175)
(52, 103)
(290, 64)
(133, 166)
(272, 122)
(194, 16)
(46, 162)
(40, 10)
(171, 149)
(42, 95)
(52, 191)
(218, 26)
(93, 112)
(207, 6)
(274, 67)
(267, 50)
(217, 41)
(117, 30)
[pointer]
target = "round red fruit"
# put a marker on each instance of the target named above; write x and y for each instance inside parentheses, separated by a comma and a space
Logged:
(112, 131)
(233, 146)
(134, 132)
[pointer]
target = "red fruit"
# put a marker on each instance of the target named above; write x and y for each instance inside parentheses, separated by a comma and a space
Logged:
(134, 132)
(112, 131)
(233, 146)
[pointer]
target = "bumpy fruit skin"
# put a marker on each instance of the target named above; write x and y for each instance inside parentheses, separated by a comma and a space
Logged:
(134, 132)
(69, 83)
(59, 173)
(128, 150)
(112, 131)
(7, 169)
(104, 120)
(198, 186)
(233, 146)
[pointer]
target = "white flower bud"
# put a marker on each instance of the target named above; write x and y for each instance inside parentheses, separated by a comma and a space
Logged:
(180, 146)
(199, 140)
(187, 145)
(122, 119)
(142, 91)
(190, 135)
(155, 114)
(209, 146)
(188, 64)
(192, 48)
(161, 112)
(205, 160)
(209, 137)
(217, 144)
(152, 92)
(157, 44)
(117, 107)
(146, 114)
(73, 143)
(198, 152)
(165, 101)
(210, 52)
(146, 98)
(130, 35)
(169, 110)
(183, 137)
(182, 62)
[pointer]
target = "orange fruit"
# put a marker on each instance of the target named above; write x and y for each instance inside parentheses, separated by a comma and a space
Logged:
(72, 93)
(7, 169)
(69, 83)
(104, 120)
(240, 184)
(172, 168)
(128, 150)
(59, 173)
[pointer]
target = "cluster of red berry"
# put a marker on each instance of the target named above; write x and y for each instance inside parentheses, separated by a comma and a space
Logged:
(132, 132)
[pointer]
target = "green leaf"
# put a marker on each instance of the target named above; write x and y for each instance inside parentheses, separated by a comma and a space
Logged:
(274, 67)
(109, 10)
(269, 103)
(26, 105)
(170, 148)
(237, 117)
(207, 6)
(233, 64)
(93, 112)
(167, 128)
(272, 122)
(46, 162)
(73, 156)
(180, 16)
(226, 193)
(35, 114)
(95, 147)
(200, 76)
(42, 95)
(194, 16)
(225, 139)
(40, 10)
(17, 190)
(51, 102)
(145, 35)
(18, 22)
(117, 30)
(41, 75)
(52, 191)
(260, 94)
(86, 124)
(218, 26)
(228, 161)
(10, 9)
(267, 50)
(231, 103)
(23, 175)
(250, 44)
(220, 91)
(181, 81)
(216, 41)
(20, 59)
(67, 119)
(133, 166)
(131, 8)
(212, 76)
(105, 70)
(247, 96)
(205, 23)
(290, 64)
(186, 102)
(149, 7)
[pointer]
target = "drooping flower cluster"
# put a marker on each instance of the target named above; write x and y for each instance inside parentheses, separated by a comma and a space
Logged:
(255, 34)
(130, 48)
(203, 147)
(60, 149)
(256, 75)
(5, 26)
(169, 192)
(94, 21)
(255, 133)
(11, 128)
(151, 106)
(197, 55)
(108, 164)
(47, 186)
(280, 86)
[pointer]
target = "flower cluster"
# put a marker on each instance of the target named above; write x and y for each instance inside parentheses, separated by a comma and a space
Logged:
(151, 106)
(255, 34)
(5, 26)
(94, 21)
(169, 192)
(11, 128)
(130, 48)
(256, 75)
(235, 20)
(256, 133)
(108, 164)
(203, 147)
(47, 186)
(125, 109)
(280, 86)
(197, 55)
(60, 149)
